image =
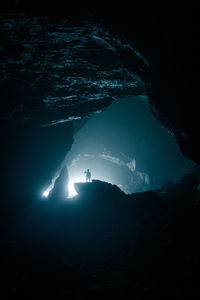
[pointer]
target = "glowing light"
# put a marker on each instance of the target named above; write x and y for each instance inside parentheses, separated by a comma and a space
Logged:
(46, 194)
(71, 190)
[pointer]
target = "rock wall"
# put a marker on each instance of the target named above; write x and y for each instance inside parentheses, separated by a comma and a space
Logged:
(39, 77)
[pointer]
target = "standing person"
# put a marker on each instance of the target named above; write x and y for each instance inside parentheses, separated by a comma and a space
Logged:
(88, 175)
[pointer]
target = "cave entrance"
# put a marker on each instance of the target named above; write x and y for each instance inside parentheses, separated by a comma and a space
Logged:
(125, 145)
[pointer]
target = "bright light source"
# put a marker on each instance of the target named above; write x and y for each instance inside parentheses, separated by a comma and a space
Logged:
(46, 193)
(48, 190)
(71, 190)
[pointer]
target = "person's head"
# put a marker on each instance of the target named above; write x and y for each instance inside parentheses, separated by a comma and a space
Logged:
(88, 170)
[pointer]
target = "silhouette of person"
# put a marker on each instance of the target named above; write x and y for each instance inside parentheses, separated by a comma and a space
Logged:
(88, 175)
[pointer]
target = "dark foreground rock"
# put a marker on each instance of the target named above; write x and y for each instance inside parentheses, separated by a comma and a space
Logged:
(104, 244)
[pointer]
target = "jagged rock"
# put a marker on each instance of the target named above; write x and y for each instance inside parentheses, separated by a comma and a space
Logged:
(59, 73)
(60, 186)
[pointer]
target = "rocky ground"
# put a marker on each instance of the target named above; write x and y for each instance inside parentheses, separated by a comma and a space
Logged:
(105, 244)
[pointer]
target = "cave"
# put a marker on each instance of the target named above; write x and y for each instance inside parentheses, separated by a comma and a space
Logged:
(113, 91)
(126, 146)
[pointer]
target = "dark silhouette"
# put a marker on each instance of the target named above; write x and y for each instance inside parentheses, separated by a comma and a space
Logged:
(88, 175)
(59, 190)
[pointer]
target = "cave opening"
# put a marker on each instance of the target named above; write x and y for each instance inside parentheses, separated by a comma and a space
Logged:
(126, 146)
